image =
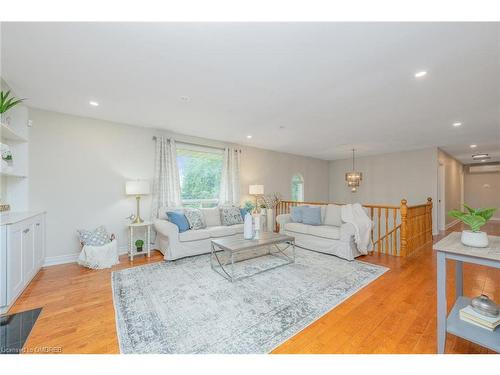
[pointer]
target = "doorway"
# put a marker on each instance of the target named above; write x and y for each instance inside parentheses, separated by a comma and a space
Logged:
(441, 214)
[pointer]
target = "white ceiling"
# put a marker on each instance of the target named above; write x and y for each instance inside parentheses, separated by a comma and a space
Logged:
(331, 86)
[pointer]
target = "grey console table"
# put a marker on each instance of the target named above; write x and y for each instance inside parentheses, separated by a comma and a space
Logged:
(450, 247)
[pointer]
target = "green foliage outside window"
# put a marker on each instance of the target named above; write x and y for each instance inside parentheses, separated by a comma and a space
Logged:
(200, 175)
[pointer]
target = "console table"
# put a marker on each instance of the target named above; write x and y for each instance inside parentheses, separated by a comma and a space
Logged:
(452, 248)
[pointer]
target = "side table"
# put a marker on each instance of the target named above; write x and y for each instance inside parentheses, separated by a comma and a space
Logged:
(132, 228)
(452, 248)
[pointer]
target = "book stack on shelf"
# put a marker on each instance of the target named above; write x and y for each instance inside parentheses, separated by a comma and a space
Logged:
(467, 314)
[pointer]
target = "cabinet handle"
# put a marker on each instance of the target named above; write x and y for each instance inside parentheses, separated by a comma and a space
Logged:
(26, 230)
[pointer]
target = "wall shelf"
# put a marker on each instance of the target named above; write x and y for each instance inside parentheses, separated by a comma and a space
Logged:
(8, 134)
(12, 174)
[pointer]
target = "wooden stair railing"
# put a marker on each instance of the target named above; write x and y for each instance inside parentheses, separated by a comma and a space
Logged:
(397, 230)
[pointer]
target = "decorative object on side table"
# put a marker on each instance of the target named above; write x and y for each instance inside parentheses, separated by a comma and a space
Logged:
(248, 227)
(270, 202)
(484, 305)
(137, 188)
(475, 219)
(138, 245)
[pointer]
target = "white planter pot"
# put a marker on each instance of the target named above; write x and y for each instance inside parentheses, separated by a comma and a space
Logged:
(474, 239)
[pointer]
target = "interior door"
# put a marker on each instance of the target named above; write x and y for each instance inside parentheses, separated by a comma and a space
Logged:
(15, 280)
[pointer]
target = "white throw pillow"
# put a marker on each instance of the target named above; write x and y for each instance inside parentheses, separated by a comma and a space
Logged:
(212, 216)
(323, 214)
(333, 215)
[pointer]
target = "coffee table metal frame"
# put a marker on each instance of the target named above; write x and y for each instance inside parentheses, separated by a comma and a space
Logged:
(280, 252)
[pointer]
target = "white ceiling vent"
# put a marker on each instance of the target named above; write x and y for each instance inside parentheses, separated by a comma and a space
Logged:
(484, 168)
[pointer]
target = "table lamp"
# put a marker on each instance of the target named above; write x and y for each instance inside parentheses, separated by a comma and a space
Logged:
(256, 190)
(137, 188)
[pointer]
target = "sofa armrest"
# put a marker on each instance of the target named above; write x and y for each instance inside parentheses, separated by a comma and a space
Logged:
(283, 219)
(346, 232)
(167, 229)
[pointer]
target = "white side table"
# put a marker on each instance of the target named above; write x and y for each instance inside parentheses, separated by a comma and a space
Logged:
(146, 226)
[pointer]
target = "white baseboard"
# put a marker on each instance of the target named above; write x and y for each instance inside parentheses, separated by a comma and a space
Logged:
(72, 258)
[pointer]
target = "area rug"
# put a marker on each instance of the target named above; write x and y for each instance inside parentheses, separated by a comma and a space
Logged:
(186, 307)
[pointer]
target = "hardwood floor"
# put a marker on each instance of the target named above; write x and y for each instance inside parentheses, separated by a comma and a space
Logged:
(394, 314)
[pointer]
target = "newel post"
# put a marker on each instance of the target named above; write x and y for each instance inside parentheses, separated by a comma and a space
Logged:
(404, 228)
(428, 211)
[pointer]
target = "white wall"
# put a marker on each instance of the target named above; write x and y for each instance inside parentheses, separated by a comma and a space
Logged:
(483, 190)
(79, 167)
(388, 178)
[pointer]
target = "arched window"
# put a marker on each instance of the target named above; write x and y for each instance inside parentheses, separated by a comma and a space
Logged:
(298, 188)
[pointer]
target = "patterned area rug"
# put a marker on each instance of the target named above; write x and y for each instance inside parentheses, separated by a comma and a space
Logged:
(186, 307)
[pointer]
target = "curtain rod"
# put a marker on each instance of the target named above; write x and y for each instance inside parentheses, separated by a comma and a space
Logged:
(195, 144)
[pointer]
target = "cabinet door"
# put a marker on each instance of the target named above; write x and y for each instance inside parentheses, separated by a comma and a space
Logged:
(15, 281)
(28, 252)
(39, 242)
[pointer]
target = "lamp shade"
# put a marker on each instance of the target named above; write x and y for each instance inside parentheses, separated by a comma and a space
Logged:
(256, 189)
(137, 187)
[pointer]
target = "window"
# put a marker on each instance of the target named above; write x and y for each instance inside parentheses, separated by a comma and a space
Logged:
(200, 170)
(297, 188)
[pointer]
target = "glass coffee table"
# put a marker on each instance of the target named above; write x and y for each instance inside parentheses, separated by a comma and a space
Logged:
(227, 251)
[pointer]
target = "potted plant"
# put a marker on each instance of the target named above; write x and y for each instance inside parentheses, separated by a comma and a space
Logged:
(7, 102)
(475, 219)
(139, 244)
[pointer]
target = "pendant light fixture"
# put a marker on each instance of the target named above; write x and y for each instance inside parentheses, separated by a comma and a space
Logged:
(353, 177)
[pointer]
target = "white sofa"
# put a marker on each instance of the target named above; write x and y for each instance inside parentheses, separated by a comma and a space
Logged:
(175, 245)
(333, 236)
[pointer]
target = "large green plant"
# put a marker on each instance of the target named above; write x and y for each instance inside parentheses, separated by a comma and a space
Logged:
(474, 218)
(7, 103)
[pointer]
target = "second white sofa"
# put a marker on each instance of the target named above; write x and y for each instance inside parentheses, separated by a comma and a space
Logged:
(333, 236)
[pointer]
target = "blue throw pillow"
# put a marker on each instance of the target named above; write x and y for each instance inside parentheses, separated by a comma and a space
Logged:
(311, 215)
(178, 218)
(296, 213)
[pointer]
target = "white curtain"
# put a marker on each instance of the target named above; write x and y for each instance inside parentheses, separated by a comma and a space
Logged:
(230, 180)
(166, 184)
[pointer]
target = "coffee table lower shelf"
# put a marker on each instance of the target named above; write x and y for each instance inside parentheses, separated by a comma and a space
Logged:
(468, 331)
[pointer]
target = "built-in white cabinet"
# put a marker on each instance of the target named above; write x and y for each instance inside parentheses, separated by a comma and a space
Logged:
(22, 253)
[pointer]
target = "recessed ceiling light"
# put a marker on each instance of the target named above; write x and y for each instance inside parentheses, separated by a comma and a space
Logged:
(473, 146)
(457, 124)
(482, 161)
(185, 98)
(93, 103)
(420, 74)
(249, 136)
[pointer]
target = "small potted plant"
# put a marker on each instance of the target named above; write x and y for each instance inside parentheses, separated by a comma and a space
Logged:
(7, 102)
(475, 219)
(139, 244)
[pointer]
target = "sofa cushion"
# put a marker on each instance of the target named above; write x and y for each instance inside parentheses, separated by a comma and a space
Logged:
(178, 218)
(221, 231)
(333, 215)
(231, 216)
(194, 235)
(298, 227)
(195, 218)
(296, 213)
(325, 231)
(238, 228)
(311, 215)
(212, 216)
